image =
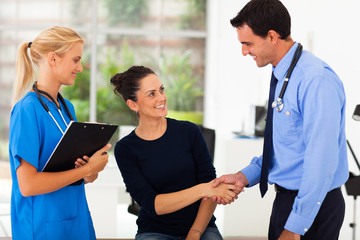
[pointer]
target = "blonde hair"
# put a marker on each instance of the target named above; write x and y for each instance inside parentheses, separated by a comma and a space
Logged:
(54, 39)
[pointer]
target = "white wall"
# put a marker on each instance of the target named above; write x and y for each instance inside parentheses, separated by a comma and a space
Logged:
(328, 28)
(234, 82)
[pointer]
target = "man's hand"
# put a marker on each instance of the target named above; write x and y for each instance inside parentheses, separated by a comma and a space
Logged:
(237, 179)
(287, 235)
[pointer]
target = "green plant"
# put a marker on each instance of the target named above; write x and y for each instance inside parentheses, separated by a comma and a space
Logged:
(112, 108)
(113, 65)
(79, 92)
(79, 10)
(176, 72)
(195, 17)
(180, 82)
(130, 12)
(109, 107)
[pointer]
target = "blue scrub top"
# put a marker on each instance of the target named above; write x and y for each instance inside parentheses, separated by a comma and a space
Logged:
(63, 214)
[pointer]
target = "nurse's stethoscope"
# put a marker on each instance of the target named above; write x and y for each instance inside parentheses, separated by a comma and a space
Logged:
(38, 91)
(279, 104)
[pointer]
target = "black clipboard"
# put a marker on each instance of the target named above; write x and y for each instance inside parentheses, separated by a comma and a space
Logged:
(78, 140)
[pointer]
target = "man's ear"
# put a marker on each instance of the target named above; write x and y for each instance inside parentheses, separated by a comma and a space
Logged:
(52, 58)
(273, 36)
(132, 105)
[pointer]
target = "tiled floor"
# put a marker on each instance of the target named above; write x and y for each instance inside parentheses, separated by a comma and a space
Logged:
(245, 238)
(238, 238)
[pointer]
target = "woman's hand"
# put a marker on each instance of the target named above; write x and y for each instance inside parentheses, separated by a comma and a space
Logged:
(287, 235)
(81, 162)
(227, 192)
(31, 182)
(96, 163)
(193, 235)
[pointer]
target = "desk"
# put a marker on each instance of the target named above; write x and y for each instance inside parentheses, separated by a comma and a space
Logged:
(104, 196)
(5, 199)
(249, 215)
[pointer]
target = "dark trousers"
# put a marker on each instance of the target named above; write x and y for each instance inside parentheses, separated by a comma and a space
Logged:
(326, 225)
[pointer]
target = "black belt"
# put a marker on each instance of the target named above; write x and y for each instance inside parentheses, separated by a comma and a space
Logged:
(280, 189)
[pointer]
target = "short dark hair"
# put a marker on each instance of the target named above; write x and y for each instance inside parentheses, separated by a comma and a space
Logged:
(264, 15)
(127, 83)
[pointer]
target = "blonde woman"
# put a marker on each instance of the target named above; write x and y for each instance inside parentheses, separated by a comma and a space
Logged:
(46, 205)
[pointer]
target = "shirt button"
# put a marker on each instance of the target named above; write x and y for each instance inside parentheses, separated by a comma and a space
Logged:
(305, 229)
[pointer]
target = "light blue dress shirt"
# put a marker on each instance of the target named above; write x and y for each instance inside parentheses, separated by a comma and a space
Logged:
(62, 214)
(309, 140)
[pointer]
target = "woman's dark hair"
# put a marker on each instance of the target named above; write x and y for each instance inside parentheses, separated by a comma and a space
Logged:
(128, 83)
(264, 15)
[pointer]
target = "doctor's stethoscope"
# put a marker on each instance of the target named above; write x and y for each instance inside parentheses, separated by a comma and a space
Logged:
(279, 104)
(38, 91)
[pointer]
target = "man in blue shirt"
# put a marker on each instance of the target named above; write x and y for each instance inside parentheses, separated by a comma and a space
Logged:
(308, 160)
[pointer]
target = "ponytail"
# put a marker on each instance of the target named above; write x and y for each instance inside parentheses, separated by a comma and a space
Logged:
(25, 73)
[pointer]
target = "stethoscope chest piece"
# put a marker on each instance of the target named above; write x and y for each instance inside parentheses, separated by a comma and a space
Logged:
(278, 104)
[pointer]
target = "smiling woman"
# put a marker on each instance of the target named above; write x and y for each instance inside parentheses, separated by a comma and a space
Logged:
(166, 165)
(151, 98)
(45, 204)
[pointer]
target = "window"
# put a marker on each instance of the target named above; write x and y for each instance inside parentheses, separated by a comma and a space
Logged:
(167, 35)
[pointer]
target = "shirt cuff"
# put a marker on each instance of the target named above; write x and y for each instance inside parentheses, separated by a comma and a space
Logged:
(298, 224)
(252, 173)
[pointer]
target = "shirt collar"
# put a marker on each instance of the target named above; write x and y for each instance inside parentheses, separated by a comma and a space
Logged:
(281, 69)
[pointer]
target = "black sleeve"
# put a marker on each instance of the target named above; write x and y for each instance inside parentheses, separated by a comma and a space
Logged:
(138, 187)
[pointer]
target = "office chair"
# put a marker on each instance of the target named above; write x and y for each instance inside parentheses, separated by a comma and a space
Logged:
(134, 207)
(209, 136)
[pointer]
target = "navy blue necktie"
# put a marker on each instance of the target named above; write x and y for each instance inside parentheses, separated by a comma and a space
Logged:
(268, 142)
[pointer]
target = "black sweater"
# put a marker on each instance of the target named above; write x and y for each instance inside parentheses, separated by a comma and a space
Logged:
(177, 160)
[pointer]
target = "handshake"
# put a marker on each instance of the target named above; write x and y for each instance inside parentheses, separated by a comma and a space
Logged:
(225, 189)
